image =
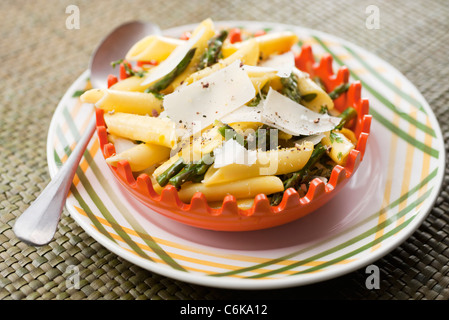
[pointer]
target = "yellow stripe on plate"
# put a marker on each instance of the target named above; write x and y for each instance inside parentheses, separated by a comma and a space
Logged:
(407, 168)
(198, 261)
(388, 184)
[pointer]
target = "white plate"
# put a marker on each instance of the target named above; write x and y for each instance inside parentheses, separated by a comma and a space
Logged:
(381, 206)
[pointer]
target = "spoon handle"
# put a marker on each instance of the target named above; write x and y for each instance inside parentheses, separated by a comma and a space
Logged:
(37, 225)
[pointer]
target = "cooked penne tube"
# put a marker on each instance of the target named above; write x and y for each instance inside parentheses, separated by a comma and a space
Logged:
(200, 45)
(260, 82)
(273, 162)
(349, 134)
(308, 87)
(243, 204)
(251, 127)
(153, 47)
(141, 128)
(209, 140)
(92, 96)
(133, 83)
(245, 127)
(284, 136)
(157, 187)
(242, 189)
(270, 43)
(164, 166)
(141, 156)
(339, 146)
(195, 148)
(123, 101)
(248, 54)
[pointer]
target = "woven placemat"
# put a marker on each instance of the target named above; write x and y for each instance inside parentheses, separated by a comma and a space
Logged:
(41, 58)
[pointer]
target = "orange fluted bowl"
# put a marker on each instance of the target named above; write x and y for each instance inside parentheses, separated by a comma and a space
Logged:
(261, 215)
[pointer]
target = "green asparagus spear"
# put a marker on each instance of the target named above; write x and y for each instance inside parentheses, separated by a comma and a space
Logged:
(166, 80)
(290, 88)
(347, 115)
(254, 102)
(206, 161)
(228, 133)
(268, 140)
(173, 170)
(213, 52)
(317, 153)
(261, 95)
(339, 90)
(186, 174)
(309, 97)
(193, 171)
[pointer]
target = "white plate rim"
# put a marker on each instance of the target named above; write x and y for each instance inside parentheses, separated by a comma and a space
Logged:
(237, 283)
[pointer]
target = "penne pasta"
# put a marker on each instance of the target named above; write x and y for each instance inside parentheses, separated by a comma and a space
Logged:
(141, 128)
(200, 45)
(248, 54)
(153, 47)
(243, 204)
(273, 162)
(123, 101)
(207, 142)
(308, 87)
(339, 146)
(245, 127)
(349, 134)
(133, 83)
(92, 96)
(269, 44)
(241, 189)
(141, 156)
(164, 166)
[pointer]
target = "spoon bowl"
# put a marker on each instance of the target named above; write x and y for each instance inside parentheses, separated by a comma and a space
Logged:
(37, 225)
(114, 47)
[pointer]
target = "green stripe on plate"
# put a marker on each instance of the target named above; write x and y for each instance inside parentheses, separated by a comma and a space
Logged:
(361, 249)
(121, 208)
(391, 205)
(386, 82)
(348, 243)
(388, 104)
(423, 147)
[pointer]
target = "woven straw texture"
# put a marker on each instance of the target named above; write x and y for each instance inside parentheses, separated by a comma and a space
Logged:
(41, 58)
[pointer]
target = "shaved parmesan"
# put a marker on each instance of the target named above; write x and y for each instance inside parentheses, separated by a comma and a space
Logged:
(258, 70)
(173, 60)
(315, 139)
(196, 106)
(233, 152)
(244, 114)
(283, 63)
(289, 116)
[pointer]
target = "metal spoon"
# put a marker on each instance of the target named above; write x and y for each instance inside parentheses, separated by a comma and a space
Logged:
(37, 225)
